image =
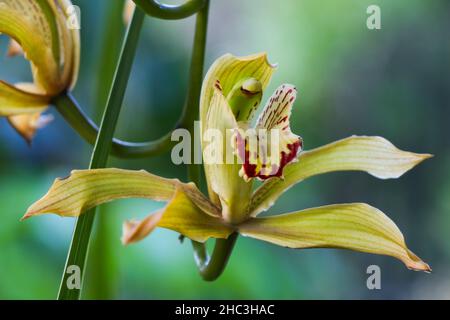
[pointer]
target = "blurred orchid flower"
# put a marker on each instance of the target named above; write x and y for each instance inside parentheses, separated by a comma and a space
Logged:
(41, 31)
(231, 92)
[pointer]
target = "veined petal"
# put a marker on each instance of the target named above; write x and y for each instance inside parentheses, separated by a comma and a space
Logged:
(356, 226)
(33, 26)
(220, 163)
(374, 155)
(15, 100)
(230, 70)
(27, 124)
(276, 145)
(180, 215)
(85, 189)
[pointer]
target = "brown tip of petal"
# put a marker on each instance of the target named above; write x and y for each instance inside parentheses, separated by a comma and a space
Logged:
(26, 216)
(416, 264)
(128, 229)
(134, 231)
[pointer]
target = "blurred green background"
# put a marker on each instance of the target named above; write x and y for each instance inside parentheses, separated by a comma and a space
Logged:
(393, 82)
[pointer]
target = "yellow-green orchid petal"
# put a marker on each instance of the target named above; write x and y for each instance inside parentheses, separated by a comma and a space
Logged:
(41, 30)
(14, 100)
(229, 71)
(374, 155)
(180, 215)
(85, 189)
(188, 212)
(223, 173)
(356, 226)
(28, 23)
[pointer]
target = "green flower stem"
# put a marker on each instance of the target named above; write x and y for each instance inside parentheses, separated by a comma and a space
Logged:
(170, 12)
(210, 268)
(70, 110)
(80, 242)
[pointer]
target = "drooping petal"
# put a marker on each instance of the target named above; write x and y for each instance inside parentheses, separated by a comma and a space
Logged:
(180, 215)
(14, 100)
(374, 155)
(134, 231)
(27, 124)
(220, 163)
(32, 24)
(276, 145)
(85, 189)
(356, 226)
(229, 70)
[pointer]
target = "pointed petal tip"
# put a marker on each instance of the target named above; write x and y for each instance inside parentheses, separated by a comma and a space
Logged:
(416, 264)
(26, 217)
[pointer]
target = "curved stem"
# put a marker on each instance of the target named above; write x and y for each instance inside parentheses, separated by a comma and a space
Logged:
(170, 12)
(70, 110)
(211, 268)
(76, 259)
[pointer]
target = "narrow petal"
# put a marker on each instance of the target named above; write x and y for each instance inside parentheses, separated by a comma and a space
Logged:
(14, 100)
(27, 124)
(180, 215)
(374, 155)
(221, 165)
(356, 226)
(85, 189)
(230, 70)
(276, 145)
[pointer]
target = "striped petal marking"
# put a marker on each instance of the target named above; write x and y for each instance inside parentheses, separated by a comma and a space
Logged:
(277, 146)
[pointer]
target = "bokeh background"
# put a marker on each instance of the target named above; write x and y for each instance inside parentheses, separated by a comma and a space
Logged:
(393, 82)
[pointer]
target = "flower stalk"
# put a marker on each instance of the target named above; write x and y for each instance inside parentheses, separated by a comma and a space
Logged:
(171, 12)
(83, 229)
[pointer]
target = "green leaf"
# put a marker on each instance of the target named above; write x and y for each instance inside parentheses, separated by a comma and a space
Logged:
(356, 226)
(374, 155)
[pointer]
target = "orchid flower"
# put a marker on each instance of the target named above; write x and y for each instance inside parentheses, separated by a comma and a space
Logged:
(231, 93)
(44, 32)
